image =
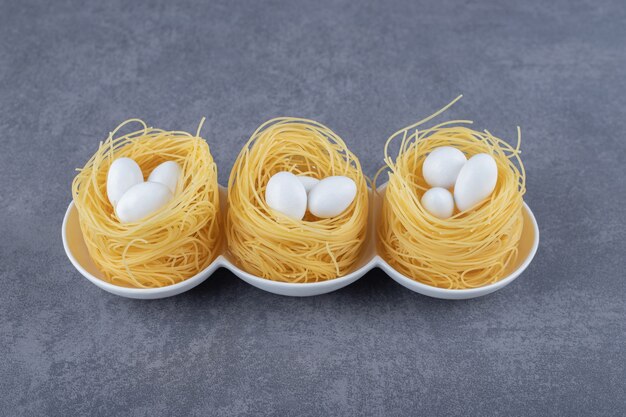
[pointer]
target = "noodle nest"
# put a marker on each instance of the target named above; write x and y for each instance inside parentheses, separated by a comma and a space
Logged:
(270, 245)
(168, 246)
(471, 249)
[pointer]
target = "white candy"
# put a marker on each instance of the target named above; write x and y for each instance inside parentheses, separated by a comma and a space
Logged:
(476, 181)
(123, 174)
(286, 194)
(331, 196)
(438, 202)
(167, 174)
(308, 182)
(442, 166)
(142, 200)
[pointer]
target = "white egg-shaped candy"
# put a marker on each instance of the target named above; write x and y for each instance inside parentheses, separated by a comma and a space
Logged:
(331, 196)
(123, 174)
(308, 182)
(142, 200)
(286, 194)
(438, 202)
(167, 174)
(442, 166)
(476, 181)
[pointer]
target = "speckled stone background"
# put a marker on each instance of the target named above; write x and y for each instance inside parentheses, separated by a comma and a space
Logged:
(552, 343)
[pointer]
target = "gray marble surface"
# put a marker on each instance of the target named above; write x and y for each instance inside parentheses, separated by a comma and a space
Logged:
(552, 343)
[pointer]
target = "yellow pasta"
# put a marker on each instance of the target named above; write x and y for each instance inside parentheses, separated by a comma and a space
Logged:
(470, 249)
(276, 247)
(169, 246)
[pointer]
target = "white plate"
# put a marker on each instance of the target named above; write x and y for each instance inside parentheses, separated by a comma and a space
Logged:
(76, 251)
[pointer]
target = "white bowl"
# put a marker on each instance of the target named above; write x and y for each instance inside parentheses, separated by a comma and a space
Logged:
(529, 242)
(528, 245)
(366, 262)
(76, 251)
(303, 289)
